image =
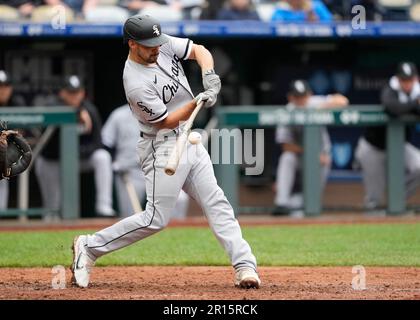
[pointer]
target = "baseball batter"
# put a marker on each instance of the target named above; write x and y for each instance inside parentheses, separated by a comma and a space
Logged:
(160, 98)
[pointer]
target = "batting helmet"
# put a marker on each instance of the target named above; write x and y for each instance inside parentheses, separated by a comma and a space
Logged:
(145, 30)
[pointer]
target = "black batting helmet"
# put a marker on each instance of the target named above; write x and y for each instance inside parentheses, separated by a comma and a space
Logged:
(145, 30)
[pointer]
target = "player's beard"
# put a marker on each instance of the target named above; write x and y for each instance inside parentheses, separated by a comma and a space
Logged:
(152, 58)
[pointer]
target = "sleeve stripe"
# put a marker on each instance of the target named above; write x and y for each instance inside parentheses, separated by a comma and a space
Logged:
(161, 117)
(187, 50)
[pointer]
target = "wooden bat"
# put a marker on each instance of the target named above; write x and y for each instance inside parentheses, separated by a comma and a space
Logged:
(176, 154)
(132, 194)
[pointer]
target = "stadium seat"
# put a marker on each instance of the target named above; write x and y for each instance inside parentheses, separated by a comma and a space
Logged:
(107, 14)
(47, 13)
(8, 13)
(163, 13)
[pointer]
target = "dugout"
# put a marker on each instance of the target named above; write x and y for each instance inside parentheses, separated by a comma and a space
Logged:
(255, 63)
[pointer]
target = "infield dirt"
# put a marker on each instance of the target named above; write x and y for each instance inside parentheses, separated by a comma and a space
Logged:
(202, 283)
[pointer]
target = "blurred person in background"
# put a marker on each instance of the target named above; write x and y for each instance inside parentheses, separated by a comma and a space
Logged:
(339, 9)
(291, 140)
(25, 7)
(401, 95)
(120, 135)
(136, 6)
(210, 9)
(302, 10)
(238, 10)
(7, 99)
(92, 155)
(78, 6)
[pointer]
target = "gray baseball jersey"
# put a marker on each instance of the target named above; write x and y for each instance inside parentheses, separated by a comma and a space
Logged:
(121, 131)
(155, 90)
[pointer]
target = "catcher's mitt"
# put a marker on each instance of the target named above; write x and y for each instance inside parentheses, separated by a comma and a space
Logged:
(15, 153)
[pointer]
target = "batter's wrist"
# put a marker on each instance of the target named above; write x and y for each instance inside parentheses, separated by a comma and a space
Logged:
(208, 71)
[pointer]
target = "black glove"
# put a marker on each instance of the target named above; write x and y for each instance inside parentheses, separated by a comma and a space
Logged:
(15, 153)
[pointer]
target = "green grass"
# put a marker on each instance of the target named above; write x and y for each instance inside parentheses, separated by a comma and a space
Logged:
(320, 245)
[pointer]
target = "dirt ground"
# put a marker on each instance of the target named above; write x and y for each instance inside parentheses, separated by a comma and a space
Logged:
(216, 283)
(202, 283)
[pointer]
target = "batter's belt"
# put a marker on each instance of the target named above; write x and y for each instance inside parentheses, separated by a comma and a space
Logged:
(173, 132)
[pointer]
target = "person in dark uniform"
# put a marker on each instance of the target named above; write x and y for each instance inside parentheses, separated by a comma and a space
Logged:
(92, 154)
(7, 99)
(401, 95)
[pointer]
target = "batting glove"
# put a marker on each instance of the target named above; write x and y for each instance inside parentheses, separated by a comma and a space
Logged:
(209, 98)
(211, 81)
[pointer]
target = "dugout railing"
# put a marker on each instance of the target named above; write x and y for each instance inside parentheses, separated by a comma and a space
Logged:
(64, 118)
(311, 120)
(51, 118)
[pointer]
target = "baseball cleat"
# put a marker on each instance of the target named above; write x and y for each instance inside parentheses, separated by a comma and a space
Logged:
(247, 278)
(82, 263)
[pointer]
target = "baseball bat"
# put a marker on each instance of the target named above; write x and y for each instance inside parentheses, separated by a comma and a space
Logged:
(176, 154)
(132, 194)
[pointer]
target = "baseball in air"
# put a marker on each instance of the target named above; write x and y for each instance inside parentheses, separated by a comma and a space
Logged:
(194, 137)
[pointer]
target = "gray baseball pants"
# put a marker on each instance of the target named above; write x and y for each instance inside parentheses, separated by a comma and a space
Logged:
(289, 164)
(195, 176)
(373, 163)
(137, 179)
(4, 194)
